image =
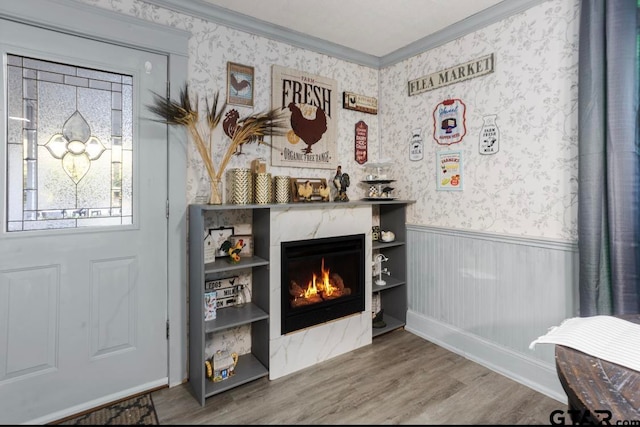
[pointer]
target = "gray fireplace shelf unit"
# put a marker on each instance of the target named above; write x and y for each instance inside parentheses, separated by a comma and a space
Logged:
(393, 295)
(255, 365)
(251, 366)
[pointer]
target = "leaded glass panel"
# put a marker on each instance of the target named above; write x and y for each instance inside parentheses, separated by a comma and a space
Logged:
(70, 146)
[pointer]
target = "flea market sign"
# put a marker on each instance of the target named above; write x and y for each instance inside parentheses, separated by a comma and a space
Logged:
(468, 70)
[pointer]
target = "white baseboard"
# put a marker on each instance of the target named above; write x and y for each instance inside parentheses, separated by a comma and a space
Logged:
(518, 367)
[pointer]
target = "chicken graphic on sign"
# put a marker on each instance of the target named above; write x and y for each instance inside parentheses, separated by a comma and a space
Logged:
(309, 131)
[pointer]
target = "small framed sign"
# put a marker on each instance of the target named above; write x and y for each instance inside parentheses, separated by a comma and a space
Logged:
(449, 121)
(364, 104)
(361, 141)
(449, 170)
(218, 236)
(240, 84)
(224, 289)
(309, 190)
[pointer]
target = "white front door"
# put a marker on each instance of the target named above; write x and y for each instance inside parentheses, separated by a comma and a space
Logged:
(83, 239)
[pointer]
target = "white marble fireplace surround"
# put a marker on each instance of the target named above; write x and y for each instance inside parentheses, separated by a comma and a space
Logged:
(300, 349)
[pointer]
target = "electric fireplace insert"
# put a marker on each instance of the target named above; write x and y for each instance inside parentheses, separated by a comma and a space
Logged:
(322, 280)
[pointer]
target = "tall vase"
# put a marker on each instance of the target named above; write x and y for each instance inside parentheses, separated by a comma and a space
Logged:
(242, 188)
(215, 198)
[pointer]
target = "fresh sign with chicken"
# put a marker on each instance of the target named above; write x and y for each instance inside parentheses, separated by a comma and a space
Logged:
(310, 101)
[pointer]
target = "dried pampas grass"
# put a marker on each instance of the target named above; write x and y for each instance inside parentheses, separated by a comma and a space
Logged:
(185, 112)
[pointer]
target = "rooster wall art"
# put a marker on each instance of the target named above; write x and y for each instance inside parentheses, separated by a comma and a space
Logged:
(239, 84)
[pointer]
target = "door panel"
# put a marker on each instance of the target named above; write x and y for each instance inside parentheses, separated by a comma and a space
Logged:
(83, 310)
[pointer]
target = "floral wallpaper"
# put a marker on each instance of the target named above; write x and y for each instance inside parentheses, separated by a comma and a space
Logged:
(527, 188)
(211, 46)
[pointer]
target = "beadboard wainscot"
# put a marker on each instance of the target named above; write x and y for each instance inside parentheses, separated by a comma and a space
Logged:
(486, 296)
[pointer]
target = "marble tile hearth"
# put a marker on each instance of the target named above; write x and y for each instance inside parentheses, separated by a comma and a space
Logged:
(300, 349)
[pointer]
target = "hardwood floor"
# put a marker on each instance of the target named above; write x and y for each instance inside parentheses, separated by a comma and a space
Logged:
(399, 379)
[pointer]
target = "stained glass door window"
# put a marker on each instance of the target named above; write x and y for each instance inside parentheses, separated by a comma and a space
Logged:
(70, 146)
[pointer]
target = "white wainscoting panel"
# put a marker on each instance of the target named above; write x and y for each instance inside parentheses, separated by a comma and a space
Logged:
(28, 321)
(487, 296)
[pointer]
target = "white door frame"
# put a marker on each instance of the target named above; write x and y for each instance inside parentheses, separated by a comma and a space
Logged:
(111, 27)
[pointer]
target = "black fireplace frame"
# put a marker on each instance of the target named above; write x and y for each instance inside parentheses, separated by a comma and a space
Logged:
(303, 317)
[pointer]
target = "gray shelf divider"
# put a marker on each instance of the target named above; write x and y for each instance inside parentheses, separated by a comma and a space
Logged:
(230, 317)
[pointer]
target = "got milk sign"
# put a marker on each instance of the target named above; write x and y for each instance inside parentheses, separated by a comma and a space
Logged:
(449, 122)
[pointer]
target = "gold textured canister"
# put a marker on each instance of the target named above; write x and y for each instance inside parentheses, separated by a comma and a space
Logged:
(241, 186)
(262, 190)
(282, 189)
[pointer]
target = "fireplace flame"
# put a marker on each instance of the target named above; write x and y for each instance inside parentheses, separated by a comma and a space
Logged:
(312, 289)
(318, 289)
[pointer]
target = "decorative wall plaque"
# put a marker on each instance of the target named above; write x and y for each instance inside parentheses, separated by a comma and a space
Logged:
(311, 104)
(468, 70)
(449, 170)
(489, 135)
(239, 84)
(365, 104)
(361, 141)
(449, 122)
(416, 149)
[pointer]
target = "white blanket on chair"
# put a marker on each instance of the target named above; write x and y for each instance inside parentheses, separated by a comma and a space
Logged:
(606, 337)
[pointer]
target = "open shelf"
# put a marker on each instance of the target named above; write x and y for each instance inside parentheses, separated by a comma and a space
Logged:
(248, 369)
(223, 264)
(392, 324)
(393, 294)
(391, 283)
(230, 317)
(379, 244)
(254, 364)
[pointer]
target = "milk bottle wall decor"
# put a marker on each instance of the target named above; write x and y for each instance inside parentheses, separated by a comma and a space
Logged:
(489, 135)
(416, 151)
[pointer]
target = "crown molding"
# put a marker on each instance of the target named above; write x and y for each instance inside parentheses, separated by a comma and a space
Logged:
(213, 13)
(491, 15)
(203, 10)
